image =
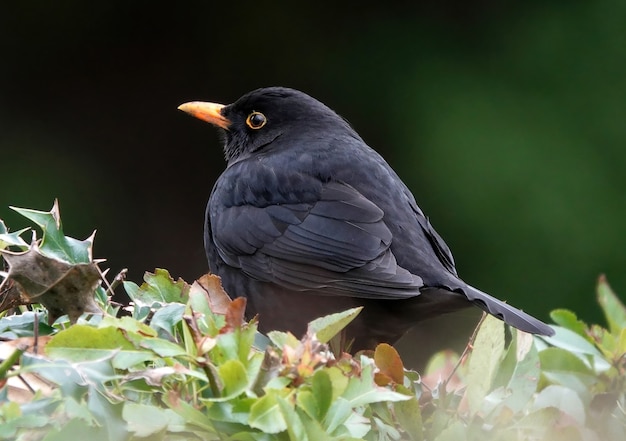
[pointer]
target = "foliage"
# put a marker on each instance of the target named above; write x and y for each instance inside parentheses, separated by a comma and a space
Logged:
(181, 362)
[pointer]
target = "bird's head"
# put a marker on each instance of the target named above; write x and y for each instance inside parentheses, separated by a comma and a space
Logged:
(253, 122)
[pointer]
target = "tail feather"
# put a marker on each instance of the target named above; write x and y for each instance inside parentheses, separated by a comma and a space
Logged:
(507, 313)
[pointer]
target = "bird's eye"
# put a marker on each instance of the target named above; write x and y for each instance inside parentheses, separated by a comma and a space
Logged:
(256, 120)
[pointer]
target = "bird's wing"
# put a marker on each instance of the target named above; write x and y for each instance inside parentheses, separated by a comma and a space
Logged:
(439, 246)
(441, 249)
(338, 243)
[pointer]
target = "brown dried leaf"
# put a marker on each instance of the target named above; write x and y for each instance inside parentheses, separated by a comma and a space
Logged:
(61, 287)
(235, 315)
(22, 388)
(211, 285)
(32, 345)
(10, 296)
(389, 364)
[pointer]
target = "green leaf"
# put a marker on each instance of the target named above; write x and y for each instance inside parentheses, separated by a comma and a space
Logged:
(233, 411)
(208, 322)
(84, 342)
(145, 420)
(77, 429)
(266, 415)
(75, 409)
(564, 399)
(135, 329)
(484, 361)
(108, 414)
(295, 427)
(68, 376)
(522, 384)
(533, 426)
(358, 426)
(189, 413)
(162, 347)
(306, 401)
(54, 243)
(12, 239)
(409, 418)
(234, 378)
(158, 288)
(570, 341)
(23, 325)
(317, 401)
(561, 367)
(454, 432)
(327, 327)
(363, 390)
(338, 380)
(13, 418)
(322, 390)
(89, 338)
(613, 308)
(281, 339)
(313, 428)
(338, 414)
(558, 359)
(568, 319)
(168, 317)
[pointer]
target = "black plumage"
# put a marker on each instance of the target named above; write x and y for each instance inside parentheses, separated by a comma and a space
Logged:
(307, 220)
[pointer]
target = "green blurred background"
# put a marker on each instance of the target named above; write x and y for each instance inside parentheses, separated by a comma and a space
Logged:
(506, 119)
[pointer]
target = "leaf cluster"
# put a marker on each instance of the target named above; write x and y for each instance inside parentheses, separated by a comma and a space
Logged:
(181, 362)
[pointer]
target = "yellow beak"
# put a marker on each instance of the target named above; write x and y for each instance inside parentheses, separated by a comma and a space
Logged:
(209, 112)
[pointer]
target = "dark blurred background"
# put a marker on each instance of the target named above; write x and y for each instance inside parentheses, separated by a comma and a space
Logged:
(506, 119)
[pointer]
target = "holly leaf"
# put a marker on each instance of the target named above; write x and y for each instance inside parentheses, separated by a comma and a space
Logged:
(62, 287)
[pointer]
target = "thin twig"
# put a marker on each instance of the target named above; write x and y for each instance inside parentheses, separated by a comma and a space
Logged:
(468, 347)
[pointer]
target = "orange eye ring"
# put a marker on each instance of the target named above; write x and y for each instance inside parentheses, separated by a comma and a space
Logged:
(256, 120)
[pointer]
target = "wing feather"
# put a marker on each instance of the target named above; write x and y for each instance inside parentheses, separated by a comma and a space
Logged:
(339, 244)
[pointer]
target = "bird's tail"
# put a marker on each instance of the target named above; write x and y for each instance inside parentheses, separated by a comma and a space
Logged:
(509, 314)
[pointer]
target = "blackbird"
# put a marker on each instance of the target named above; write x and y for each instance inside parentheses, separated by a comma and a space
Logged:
(308, 220)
